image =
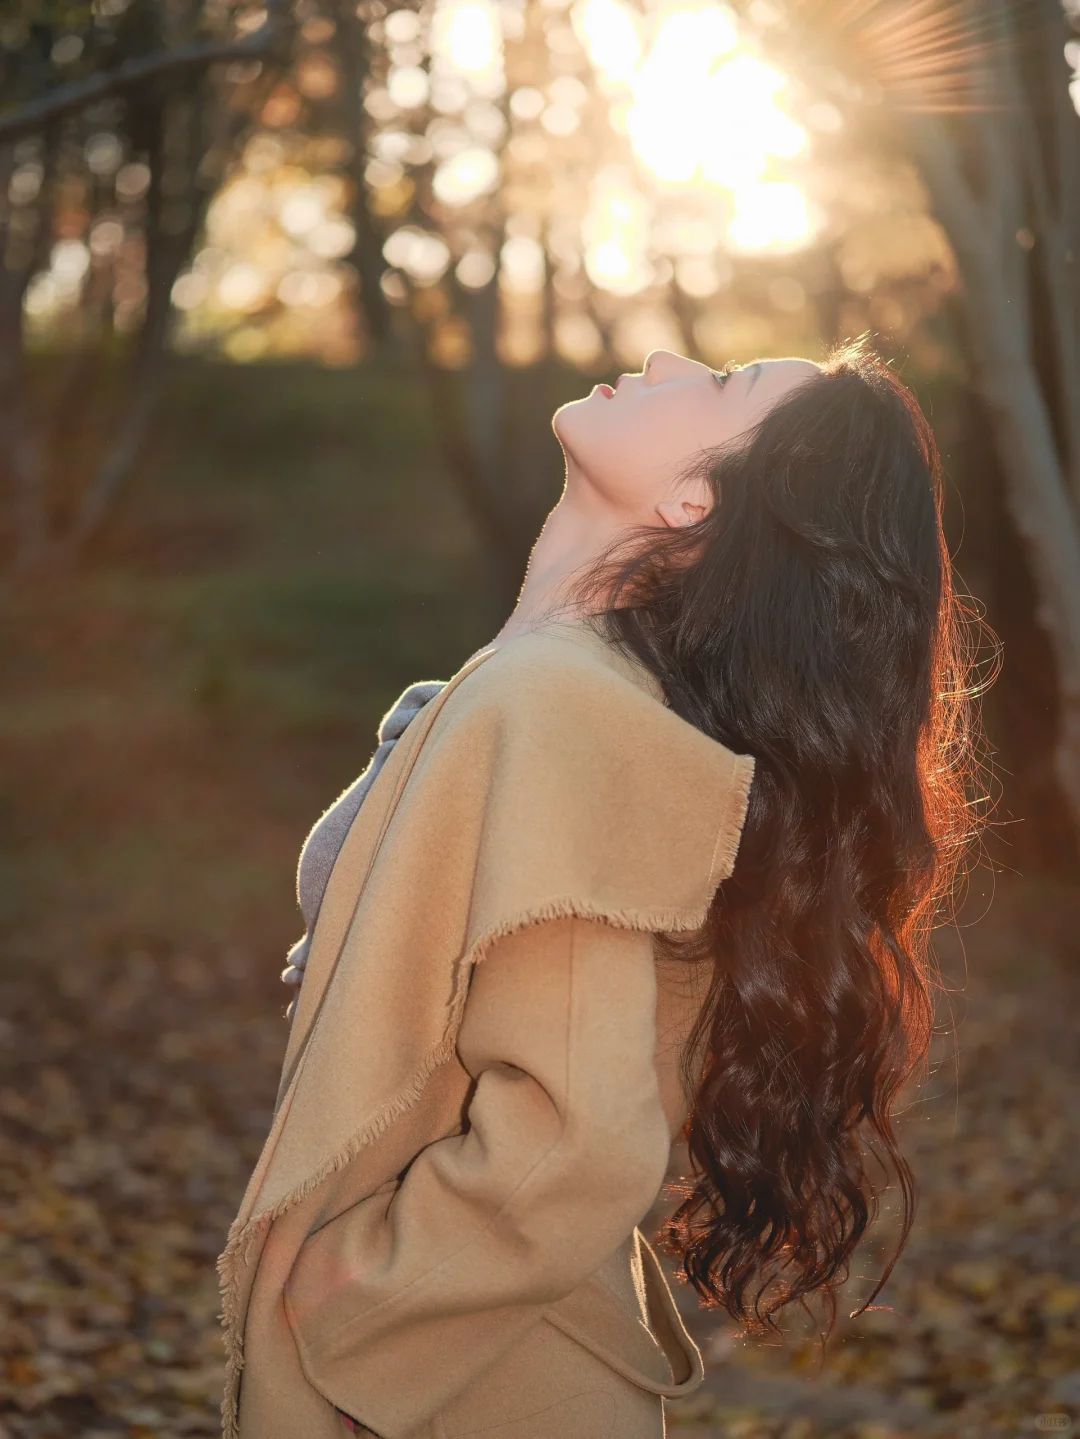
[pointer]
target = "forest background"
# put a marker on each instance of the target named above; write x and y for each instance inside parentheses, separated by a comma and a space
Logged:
(288, 295)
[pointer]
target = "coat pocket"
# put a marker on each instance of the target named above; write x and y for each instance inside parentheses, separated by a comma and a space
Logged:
(658, 1356)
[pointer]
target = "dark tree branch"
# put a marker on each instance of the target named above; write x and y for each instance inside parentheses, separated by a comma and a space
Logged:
(133, 74)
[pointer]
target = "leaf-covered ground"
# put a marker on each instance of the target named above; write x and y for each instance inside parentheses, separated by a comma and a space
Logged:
(132, 1109)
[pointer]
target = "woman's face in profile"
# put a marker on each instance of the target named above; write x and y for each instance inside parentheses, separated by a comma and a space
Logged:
(630, 442)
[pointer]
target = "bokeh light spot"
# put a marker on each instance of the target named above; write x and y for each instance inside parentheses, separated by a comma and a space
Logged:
(770, 216)
(465, 176)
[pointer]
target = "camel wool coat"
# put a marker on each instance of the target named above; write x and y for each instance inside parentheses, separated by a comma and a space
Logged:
(481, 1088)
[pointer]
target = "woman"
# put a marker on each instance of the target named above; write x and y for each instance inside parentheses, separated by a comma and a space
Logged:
(536, 962)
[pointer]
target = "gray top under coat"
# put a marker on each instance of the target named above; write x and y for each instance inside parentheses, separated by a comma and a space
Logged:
(323, 844)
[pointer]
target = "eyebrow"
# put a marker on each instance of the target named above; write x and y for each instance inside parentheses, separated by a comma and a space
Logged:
(756, 371)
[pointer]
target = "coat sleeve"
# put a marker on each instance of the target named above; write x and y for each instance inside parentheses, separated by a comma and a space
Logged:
(400, 1302)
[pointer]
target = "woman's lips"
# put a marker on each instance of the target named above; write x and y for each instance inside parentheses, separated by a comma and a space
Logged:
(606, 391)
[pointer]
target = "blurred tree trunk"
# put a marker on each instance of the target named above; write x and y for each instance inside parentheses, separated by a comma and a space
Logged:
(172, 113)
(1022, 715)
(494, 427)
(492, 420)
(1003, 186)
(23, 238)
(355, 59)
(492, 414)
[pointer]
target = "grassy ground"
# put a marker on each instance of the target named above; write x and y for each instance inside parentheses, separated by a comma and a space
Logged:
(289, 565)
(171, 724)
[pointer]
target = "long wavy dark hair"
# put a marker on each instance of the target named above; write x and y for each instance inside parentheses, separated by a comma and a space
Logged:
(810, 619)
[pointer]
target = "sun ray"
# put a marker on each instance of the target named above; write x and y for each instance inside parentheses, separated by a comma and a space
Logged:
(924, 55)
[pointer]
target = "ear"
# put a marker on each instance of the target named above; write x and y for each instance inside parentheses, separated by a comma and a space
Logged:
(676, 513)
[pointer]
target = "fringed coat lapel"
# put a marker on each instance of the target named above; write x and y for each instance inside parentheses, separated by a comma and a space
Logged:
(338, 908)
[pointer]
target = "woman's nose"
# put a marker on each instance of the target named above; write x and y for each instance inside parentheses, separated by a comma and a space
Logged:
(666, 365)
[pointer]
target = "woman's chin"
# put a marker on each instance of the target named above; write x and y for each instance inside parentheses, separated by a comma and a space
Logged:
(566, 415)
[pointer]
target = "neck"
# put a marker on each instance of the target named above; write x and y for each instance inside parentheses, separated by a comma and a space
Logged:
(573, 535)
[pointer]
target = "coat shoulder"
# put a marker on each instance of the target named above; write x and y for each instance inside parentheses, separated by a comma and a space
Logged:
(565, 680)
(563, 703)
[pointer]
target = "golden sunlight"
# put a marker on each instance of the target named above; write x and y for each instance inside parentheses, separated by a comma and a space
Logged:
(770, 216)
(700, 110)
